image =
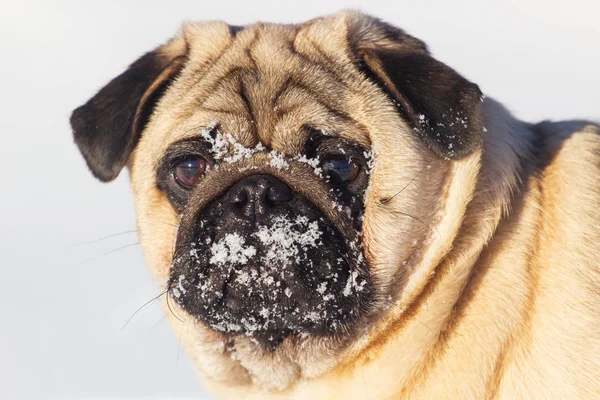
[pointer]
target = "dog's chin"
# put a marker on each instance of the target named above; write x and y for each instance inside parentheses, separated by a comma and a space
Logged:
(286, 275)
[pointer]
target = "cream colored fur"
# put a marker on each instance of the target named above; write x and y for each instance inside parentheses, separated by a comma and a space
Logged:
(493, 292)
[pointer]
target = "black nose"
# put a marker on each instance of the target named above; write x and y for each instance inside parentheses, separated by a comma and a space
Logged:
(256, 196)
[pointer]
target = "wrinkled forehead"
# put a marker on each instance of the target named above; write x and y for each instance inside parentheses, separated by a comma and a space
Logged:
(273, 84)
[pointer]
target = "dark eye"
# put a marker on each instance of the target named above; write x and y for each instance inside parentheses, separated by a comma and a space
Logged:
(189, 170)
(340, 172)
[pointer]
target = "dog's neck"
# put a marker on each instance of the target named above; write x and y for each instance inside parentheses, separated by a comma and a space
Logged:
(387, 358)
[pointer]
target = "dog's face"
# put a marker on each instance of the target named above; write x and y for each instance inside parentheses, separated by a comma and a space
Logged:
(269, 239)
(272, 169)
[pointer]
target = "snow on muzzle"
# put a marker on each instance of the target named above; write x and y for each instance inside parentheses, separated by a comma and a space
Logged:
(264, 268)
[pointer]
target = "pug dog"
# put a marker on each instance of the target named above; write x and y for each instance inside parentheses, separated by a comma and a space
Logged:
(335, 214)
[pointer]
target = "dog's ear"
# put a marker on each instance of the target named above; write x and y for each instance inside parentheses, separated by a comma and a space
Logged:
(440, 105)
(108, 126)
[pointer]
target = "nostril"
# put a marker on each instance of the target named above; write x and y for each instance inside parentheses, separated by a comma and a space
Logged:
(279, 193)
(256, 196)
(238, 197)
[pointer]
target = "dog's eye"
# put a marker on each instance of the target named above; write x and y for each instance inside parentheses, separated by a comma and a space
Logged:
(340, 172)
(189, 170)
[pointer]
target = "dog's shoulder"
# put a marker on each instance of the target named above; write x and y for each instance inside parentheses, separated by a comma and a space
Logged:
(566, 278)
(568, 138)
(568, 155)
(568, 158)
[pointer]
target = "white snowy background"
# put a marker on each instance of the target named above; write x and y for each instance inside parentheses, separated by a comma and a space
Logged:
(61, 316)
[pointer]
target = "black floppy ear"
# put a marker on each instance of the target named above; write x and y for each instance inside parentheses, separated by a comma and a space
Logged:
(442, 107)
(108, 126)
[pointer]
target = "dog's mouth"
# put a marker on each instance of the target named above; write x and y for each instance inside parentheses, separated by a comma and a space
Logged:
(285, 269)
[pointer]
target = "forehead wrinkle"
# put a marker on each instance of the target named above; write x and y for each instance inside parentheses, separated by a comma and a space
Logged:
(310, 74)
(289, 138)
(263, 90)
(285, 88)
(302, 107)
(294, 119)
(197, 83)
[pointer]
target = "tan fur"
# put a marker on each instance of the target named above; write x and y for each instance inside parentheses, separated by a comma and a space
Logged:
(490, 290)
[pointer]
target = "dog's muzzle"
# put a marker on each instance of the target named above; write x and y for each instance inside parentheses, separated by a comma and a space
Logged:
(262, 260)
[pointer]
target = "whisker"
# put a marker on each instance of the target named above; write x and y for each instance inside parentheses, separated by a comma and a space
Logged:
(158, 222)
(174, 243)
(171, 309)
(162, 319)
(109, 252)
(180, 341)
(417, 219)
(387, 201)
(102, 238)
(142, 307)
(391, 303)
(182, 248)
(421, 322)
